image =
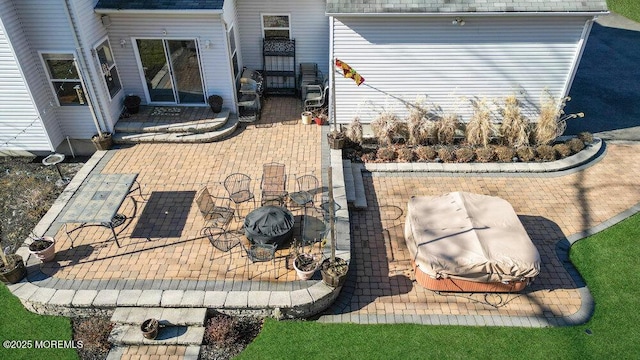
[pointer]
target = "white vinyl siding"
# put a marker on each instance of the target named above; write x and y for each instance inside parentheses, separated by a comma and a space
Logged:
(216, 67)
(308, 23)
(488, 57)
(21, 126)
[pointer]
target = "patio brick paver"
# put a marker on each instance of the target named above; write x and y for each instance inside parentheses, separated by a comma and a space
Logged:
(380, 288)
(551, 208)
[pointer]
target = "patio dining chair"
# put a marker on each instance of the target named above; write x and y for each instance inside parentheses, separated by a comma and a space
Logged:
(273, 184)
(238, 186)
(316, 95)
(256, 253)
(218, 213)
(307, 186)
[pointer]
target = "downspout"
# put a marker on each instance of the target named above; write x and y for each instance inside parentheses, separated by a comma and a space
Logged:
(576, 60)
(98, 117)
(332, 77)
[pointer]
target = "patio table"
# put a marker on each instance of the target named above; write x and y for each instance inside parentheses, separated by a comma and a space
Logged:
(98, 201)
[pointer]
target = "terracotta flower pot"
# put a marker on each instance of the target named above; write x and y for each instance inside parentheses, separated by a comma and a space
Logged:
(48, 253)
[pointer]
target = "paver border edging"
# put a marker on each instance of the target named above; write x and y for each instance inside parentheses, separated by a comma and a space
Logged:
(585, 156)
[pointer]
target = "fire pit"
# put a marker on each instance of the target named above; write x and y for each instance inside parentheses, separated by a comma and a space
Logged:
(269, 225)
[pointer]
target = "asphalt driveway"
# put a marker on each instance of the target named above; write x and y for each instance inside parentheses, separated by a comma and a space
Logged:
(607, 85)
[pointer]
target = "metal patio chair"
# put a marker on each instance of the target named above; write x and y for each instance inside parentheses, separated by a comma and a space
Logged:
(218, 213)
(256, 252)
(273, 184)
(238, 187)
(307, 186)
(316, 96)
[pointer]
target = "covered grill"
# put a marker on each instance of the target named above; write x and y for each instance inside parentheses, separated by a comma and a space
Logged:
(269, 225)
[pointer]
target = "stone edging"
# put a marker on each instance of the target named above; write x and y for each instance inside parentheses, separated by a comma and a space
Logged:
(44, 300)
(575, 160)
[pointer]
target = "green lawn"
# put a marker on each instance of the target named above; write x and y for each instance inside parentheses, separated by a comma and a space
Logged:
(16, 323)
(608, 262)
(627, 8)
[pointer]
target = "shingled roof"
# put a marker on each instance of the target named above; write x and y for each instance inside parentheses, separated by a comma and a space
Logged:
(459, 6)
(160, 4)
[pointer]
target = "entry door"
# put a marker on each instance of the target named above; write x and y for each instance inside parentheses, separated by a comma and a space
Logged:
(171, 70)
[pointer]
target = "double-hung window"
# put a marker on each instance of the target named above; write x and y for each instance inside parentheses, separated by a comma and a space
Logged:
(63, 74)
(108, 68)
(276, 26)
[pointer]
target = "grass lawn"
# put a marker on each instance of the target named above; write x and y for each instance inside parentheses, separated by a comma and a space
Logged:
(16, 323)
(627, 8)
(608, 262)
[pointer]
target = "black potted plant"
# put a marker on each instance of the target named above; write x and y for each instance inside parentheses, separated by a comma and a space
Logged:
(132, 104)
(215, 101)
(334, 269)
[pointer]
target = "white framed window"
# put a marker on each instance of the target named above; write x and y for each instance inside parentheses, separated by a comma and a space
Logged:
(65, 79)
(231, 34)
(276, 26)
(108, 68)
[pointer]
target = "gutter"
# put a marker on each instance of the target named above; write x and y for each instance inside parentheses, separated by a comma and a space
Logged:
(472, 14)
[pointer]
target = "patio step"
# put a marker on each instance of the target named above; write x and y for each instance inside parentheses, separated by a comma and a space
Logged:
(172, 126)
(178, 326)
(361, 197)
(348, 181)
(178, 137)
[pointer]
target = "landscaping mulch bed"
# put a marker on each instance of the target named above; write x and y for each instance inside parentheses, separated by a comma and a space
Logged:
(27, 191)
(226, 336)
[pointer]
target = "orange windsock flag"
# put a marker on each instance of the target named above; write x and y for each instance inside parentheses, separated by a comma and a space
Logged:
(349, 72)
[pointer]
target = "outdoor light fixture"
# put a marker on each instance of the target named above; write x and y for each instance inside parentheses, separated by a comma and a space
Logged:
(207, 44)
(106, 20)
(123, 42)
(164, 31)
(458, 21)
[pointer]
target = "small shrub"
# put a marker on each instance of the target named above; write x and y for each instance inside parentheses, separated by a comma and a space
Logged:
(547, 126)
(464, 154)
(480, 127)
(586, 137)
(562, 150)
(446, 129)
(426, 153)
(354, 131)
(445, 154)
(526, 153)
(505, 153)
(576, 145)
(221, 330)
(405, 154)
(368, 157)
(386, 153)
(485, 154)
(419, 126)
(514, 128)
(385, 127)
(546, 153)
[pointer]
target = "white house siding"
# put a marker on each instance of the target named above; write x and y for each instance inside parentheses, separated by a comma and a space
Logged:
(21, 127)
(309, 27)
(215, 67)
(47, 29)
(488, 57)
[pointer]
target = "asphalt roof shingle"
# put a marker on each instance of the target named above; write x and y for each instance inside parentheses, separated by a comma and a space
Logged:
(452, 6)
(160, 4)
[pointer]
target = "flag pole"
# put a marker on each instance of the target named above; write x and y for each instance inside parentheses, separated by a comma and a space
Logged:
(333, 94)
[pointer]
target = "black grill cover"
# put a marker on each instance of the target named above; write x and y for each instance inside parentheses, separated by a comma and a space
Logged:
(269, 225)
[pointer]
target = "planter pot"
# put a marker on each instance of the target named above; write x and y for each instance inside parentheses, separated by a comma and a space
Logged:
(215, 102)
(149, 328)
(334, 274)
(306, 117)
(305, 265)
(47, 254)
(319, 121)
(15, 273)
(132, 103)
(103, 142)
(335, 143)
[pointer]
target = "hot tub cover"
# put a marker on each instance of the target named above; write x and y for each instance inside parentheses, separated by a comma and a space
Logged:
(471, 237)
(269, 225)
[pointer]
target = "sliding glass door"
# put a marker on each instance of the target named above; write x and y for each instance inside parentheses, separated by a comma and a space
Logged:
(171, 70)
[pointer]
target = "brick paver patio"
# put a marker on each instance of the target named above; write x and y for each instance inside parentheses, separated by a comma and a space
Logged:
(163, 239)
